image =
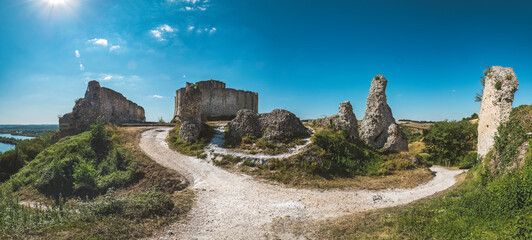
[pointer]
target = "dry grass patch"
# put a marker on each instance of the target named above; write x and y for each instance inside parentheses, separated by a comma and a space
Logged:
(398, 179)
(416, 147)
(371, 224)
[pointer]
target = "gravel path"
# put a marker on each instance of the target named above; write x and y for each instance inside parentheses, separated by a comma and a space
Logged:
(235, 206)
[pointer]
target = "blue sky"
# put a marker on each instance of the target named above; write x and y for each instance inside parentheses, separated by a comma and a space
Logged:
(304, 56)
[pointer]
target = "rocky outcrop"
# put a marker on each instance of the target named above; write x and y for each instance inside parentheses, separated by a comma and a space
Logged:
(189, 107)
(281, 124)
(378, 127)
(189, 113)
(344, 120)
(98, 103)
(277, 125)
(190, 130)
(500, 86)
(246, 123)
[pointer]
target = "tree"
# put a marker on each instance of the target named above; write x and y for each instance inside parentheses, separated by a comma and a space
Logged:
(449, 141)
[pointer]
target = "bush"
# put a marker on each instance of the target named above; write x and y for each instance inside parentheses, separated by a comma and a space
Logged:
(450, 141)
(469, 160)
(84, 178)
(511, 136)
(99, 139)
(332, 153)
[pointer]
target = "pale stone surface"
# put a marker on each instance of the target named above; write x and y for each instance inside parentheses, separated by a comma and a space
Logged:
(344, 120)
(189, 104)
(277, 125)
(190, 130)
(98, 103)
(347, 120)
(189, 113)
(499, 88)
(281, 124)
(377, 127)
(219, 102)
(246, 123)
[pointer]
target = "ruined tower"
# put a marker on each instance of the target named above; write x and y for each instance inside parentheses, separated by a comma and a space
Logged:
(219, 102)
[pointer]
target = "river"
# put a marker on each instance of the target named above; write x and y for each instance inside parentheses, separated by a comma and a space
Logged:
(5, 147)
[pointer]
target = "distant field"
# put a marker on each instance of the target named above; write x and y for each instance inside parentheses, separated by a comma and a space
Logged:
(415, 124)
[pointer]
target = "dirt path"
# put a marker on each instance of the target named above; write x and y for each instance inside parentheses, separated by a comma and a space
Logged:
(234, 206)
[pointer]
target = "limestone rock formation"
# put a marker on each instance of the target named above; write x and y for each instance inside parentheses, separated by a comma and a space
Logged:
(281, 124)
(190, 130)
(189, 107)
(246, 123)
(499, 88)
(98, 103)
(189, 113)
(277, 125)
(345, 119)
(378, 127)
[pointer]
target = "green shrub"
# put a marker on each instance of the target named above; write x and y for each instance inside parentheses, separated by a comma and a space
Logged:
(511, 135)
(450, 141)
(498, 85)
(469, 160)
(84, 178)
(99, 139)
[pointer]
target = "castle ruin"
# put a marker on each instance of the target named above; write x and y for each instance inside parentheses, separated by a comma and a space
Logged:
(218, 102)
(99, 103)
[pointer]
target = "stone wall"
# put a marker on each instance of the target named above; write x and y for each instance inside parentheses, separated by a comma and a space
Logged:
(218, 102)
(99, 102)
(500, 86)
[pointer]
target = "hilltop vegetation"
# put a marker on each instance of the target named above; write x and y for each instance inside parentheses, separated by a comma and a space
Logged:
(97, 184)
(25, 151)
(489, 204)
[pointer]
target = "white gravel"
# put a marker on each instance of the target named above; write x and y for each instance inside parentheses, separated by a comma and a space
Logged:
(217, 142)
(235, 206)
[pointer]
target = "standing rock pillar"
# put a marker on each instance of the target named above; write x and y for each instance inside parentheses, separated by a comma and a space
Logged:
(378, 127)
(500, 86)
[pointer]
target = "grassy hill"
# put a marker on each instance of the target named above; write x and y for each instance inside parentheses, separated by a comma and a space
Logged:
(97, 184)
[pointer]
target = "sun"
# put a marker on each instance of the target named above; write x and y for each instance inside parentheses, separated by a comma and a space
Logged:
(56, 2)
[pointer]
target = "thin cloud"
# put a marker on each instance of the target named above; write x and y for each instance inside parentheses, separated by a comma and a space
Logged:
(202, 30)
(98, 41)
(114, 48)
(157, 96)
(190, 5)
(161, 31)
(108, 77)
(77, 53)
(81, 67)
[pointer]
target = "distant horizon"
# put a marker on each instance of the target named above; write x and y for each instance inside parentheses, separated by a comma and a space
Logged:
(302, 56)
